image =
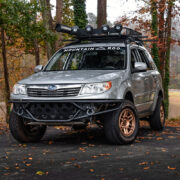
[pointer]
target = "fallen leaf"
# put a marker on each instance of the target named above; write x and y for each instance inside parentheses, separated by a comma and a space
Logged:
(40, 173)
(6, 168)
(159, 138)
(30, 158)
(171, 168)
(121, 169)
(73, 159)
(171, 137)
(50, 142)
(91, 170)
(143, 163)
(77, 165)
(91, 145)
(28, 164)
(137, 141)
(94, 156)
(146, 168)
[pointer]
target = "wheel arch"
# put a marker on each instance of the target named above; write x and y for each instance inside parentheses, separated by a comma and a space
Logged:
(129, 96)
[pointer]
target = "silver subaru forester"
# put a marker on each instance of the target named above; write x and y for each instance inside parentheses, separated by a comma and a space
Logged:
(111, 83)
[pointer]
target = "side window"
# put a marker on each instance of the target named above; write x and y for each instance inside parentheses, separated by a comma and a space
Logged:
(151, 61)
(133, 57)
(144, 59)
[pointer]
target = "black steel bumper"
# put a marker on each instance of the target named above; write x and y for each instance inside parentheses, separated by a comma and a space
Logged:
(63, 111)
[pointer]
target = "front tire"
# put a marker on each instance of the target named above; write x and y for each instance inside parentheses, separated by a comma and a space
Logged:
(157, 120)
(22, 132)
(121, 126)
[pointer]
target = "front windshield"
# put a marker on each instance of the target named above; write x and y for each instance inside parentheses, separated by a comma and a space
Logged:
(103, 58)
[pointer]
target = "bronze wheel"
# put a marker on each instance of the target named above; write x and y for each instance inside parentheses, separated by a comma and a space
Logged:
(121, 126)
(127, 122)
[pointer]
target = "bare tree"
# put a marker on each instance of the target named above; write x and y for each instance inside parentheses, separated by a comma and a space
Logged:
(6, 74)
(48, 24)
(101, 13)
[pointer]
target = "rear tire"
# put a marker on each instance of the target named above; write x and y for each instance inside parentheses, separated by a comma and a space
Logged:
(24, 133)
(121, 126)
(157, 120)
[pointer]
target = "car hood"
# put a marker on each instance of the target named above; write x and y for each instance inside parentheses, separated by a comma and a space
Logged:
(73, 77)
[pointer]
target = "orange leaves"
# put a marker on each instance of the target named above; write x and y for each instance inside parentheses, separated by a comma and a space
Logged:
(143, 163)
(159, 138)
(91, 170)
(28, 164)
(50, 142)
(82, 149)
(171, 168)
(146, 168)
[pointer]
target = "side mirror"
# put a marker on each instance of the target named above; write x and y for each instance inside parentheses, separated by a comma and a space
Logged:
(38, 68)
(140, 66)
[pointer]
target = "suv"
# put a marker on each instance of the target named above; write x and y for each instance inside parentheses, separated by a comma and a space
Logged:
(106, 77)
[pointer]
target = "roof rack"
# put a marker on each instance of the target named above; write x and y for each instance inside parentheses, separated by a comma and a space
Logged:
(104, 34)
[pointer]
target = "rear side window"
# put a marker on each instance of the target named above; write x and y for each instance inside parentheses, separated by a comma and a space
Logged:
(144, 59)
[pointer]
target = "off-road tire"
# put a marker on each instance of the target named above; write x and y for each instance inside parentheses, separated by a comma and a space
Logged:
(156, 122)
(19, 130)
(112, 125)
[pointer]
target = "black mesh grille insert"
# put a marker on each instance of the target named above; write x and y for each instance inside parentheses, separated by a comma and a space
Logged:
(65, 92)
(52, 111)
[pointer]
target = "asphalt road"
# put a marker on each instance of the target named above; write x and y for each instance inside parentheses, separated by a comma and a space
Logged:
(87, 155)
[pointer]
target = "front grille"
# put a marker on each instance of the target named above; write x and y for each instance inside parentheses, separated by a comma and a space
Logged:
(63, 92)
(52, 111)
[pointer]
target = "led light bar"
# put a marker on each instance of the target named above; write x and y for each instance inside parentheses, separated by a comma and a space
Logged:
(105, 28)
(63, 28)
(118, 32)
(89, 29)
(118, 28)
(74, 30)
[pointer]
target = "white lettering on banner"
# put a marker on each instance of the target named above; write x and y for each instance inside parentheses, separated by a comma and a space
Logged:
(93, 48)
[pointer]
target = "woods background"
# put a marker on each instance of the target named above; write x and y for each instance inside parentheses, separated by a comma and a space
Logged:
(28, 37)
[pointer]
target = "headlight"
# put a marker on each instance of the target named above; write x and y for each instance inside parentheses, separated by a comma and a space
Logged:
(19, 89)
(96, 88)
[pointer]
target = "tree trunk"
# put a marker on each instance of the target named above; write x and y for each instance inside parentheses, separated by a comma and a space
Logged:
(36, 45)
(59, 13)
(161, 43)
(36, 51)
(101, 13)
(154, 32)
(168, 52)
(6, 75)
(48, 24)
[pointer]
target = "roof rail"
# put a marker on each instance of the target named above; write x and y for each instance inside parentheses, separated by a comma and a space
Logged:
(116, 34)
